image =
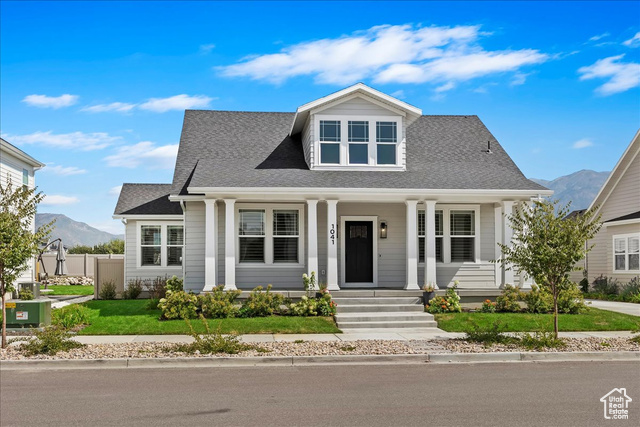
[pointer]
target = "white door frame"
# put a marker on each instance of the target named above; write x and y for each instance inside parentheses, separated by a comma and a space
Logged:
(343, 269)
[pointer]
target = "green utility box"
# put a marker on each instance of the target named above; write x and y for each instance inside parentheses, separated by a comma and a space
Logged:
(28, 314)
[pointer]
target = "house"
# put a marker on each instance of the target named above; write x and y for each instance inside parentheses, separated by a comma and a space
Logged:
(358, 186)
(20, 167)
(617, 245)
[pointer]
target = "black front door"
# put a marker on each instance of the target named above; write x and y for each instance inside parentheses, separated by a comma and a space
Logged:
(359, 251)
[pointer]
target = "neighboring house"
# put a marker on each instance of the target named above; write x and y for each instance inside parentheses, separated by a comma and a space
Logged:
(20, 168)
(617, 246)
(357, 186)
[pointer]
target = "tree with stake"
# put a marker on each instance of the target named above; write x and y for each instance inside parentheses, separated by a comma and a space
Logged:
(18, 243)
(547, 245)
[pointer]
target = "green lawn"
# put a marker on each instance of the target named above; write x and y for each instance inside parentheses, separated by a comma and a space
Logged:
(70, 290)
(592, 320)
(131, 317)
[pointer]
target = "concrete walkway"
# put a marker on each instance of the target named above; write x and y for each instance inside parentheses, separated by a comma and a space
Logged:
(386, 335)
(618, 307)
(69, 301)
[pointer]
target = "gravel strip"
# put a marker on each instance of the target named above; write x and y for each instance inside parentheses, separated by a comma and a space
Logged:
(145, 350)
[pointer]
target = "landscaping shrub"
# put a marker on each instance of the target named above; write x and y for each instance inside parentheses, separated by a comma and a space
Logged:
(450, 303)
(488, 307)
(49, 341)
(492, 335)
(606, 285)
(71, 316)
(584, 285)
(631, 291)
(25, 294)
(309, 283)
(157, 287)
(134, 289)
(538, 300)
(178, 305)
(211, 342)
(153, 304)
(507, 302)
(321, 306)
(570, 299)
(261, 304)
(540, 340)
(175, 284)
(219, 303)
(107, 290)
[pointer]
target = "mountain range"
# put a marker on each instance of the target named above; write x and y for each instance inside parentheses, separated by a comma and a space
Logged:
(579, 188)
(74, 233)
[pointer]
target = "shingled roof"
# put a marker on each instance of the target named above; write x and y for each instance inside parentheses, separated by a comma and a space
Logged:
(253, 149)
(146, 199)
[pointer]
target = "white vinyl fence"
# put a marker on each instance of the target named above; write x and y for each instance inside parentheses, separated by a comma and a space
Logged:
(77, 265)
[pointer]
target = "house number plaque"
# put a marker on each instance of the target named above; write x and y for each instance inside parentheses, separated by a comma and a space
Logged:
(332, 233)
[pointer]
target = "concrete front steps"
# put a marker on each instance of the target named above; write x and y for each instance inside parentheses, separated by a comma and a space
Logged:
(392, 312)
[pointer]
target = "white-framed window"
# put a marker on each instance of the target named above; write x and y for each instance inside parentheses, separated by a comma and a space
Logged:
(269, 234)
(626, 252)
(422, 234)
(359, 141)
(25, 177)
(160, 244)
(457, 234)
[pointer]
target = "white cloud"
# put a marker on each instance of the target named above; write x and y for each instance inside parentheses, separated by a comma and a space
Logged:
(206, 48)
(75, 140)
(583, 143)
(64, 171)
(386, 53)
(398, 94)
(120, 107)
(115, 191)
(598, 37)
(110, 226)
(519, 79)
(178, 102)
(144, 153)
(445, 87)
(633, 41)
(621, 76)
(55, 199)
(44, 101)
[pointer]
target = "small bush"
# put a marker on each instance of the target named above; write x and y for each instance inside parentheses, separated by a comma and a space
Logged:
(507, 302)
(219, 304)
(153, 304)
(570, 299)
(450, 303)
(493, 335)
(540, 340)
(175, 284)
(606, 285)
(211, 342)
(49, 341)
(25, 294)
(631, 290)
(261, 304)
(538, 300)
(157, 287)
(71, 316)
(584, 285)
(488, 307)
(107, 290)
(178, 305)
(635, 339)
(321, 306)
(134, 289)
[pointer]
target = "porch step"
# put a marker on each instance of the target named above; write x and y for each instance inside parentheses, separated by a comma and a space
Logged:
(414, 324)
(377, 308)
(412, 316)
(377, 300)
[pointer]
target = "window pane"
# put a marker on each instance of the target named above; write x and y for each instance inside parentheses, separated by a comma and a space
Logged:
(386, 132)
(620, 262)
(463, 223)
(634, 262)
(25, 177)
(285, 249)
(386, 154)
(462, 249)
(421, 249)
(358, 154)
(150, 255)
(175, 235)
(174, 255)
(439, 226)
(329, 130)
(330, 153)
(421, 223)
(620, 246)
(439, 249)
(251, 222)
(634, 245)
(285, 223)
(251, 249)
(151, 235)
(358, 131)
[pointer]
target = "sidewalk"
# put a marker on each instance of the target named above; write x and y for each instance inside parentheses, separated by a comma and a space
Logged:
(618, 307)
(378, 334)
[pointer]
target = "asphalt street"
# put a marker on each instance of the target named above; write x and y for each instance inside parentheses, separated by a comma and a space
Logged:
(506, 394)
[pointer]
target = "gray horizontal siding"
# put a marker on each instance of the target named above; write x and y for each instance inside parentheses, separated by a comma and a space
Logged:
(358, 107)
(195, 241)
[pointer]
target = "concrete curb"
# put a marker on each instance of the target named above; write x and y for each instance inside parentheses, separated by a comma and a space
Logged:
(205, 362)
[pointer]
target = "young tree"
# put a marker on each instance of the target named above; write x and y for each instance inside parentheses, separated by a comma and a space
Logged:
(547, 245)
(18, 243)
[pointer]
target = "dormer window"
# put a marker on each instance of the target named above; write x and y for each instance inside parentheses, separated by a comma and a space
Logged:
(358, 142)
(330, 141)
(386, 139)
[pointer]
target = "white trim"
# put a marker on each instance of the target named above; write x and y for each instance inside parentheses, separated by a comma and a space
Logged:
(229, 244)
(361, 96)
(332, 247)
(498, 227)
(412, 244)
(430, 264)
(375, 231)
(621, 222)
(21, 155)
(626, 237)
(312, 233)
(163, 244)
(176, 217)
(211, 245)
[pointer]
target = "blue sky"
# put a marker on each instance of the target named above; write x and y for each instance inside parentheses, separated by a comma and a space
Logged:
(98, 90)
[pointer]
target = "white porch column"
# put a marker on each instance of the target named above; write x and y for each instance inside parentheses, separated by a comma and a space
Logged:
(412, 245)
(498, 239)
(312, 231)
(230, 244)
(509, 275)
(210, 242)
(430, 243)
(332, 245)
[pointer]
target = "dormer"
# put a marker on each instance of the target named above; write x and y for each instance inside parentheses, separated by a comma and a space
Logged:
(357, 128)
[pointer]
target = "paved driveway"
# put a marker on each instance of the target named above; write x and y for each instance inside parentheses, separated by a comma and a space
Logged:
(619, 307)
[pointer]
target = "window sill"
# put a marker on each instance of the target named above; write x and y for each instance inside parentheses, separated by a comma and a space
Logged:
(274, 265)
(156, 267)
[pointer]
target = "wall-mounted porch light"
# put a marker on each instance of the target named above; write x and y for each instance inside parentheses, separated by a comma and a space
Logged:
(383, 229)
